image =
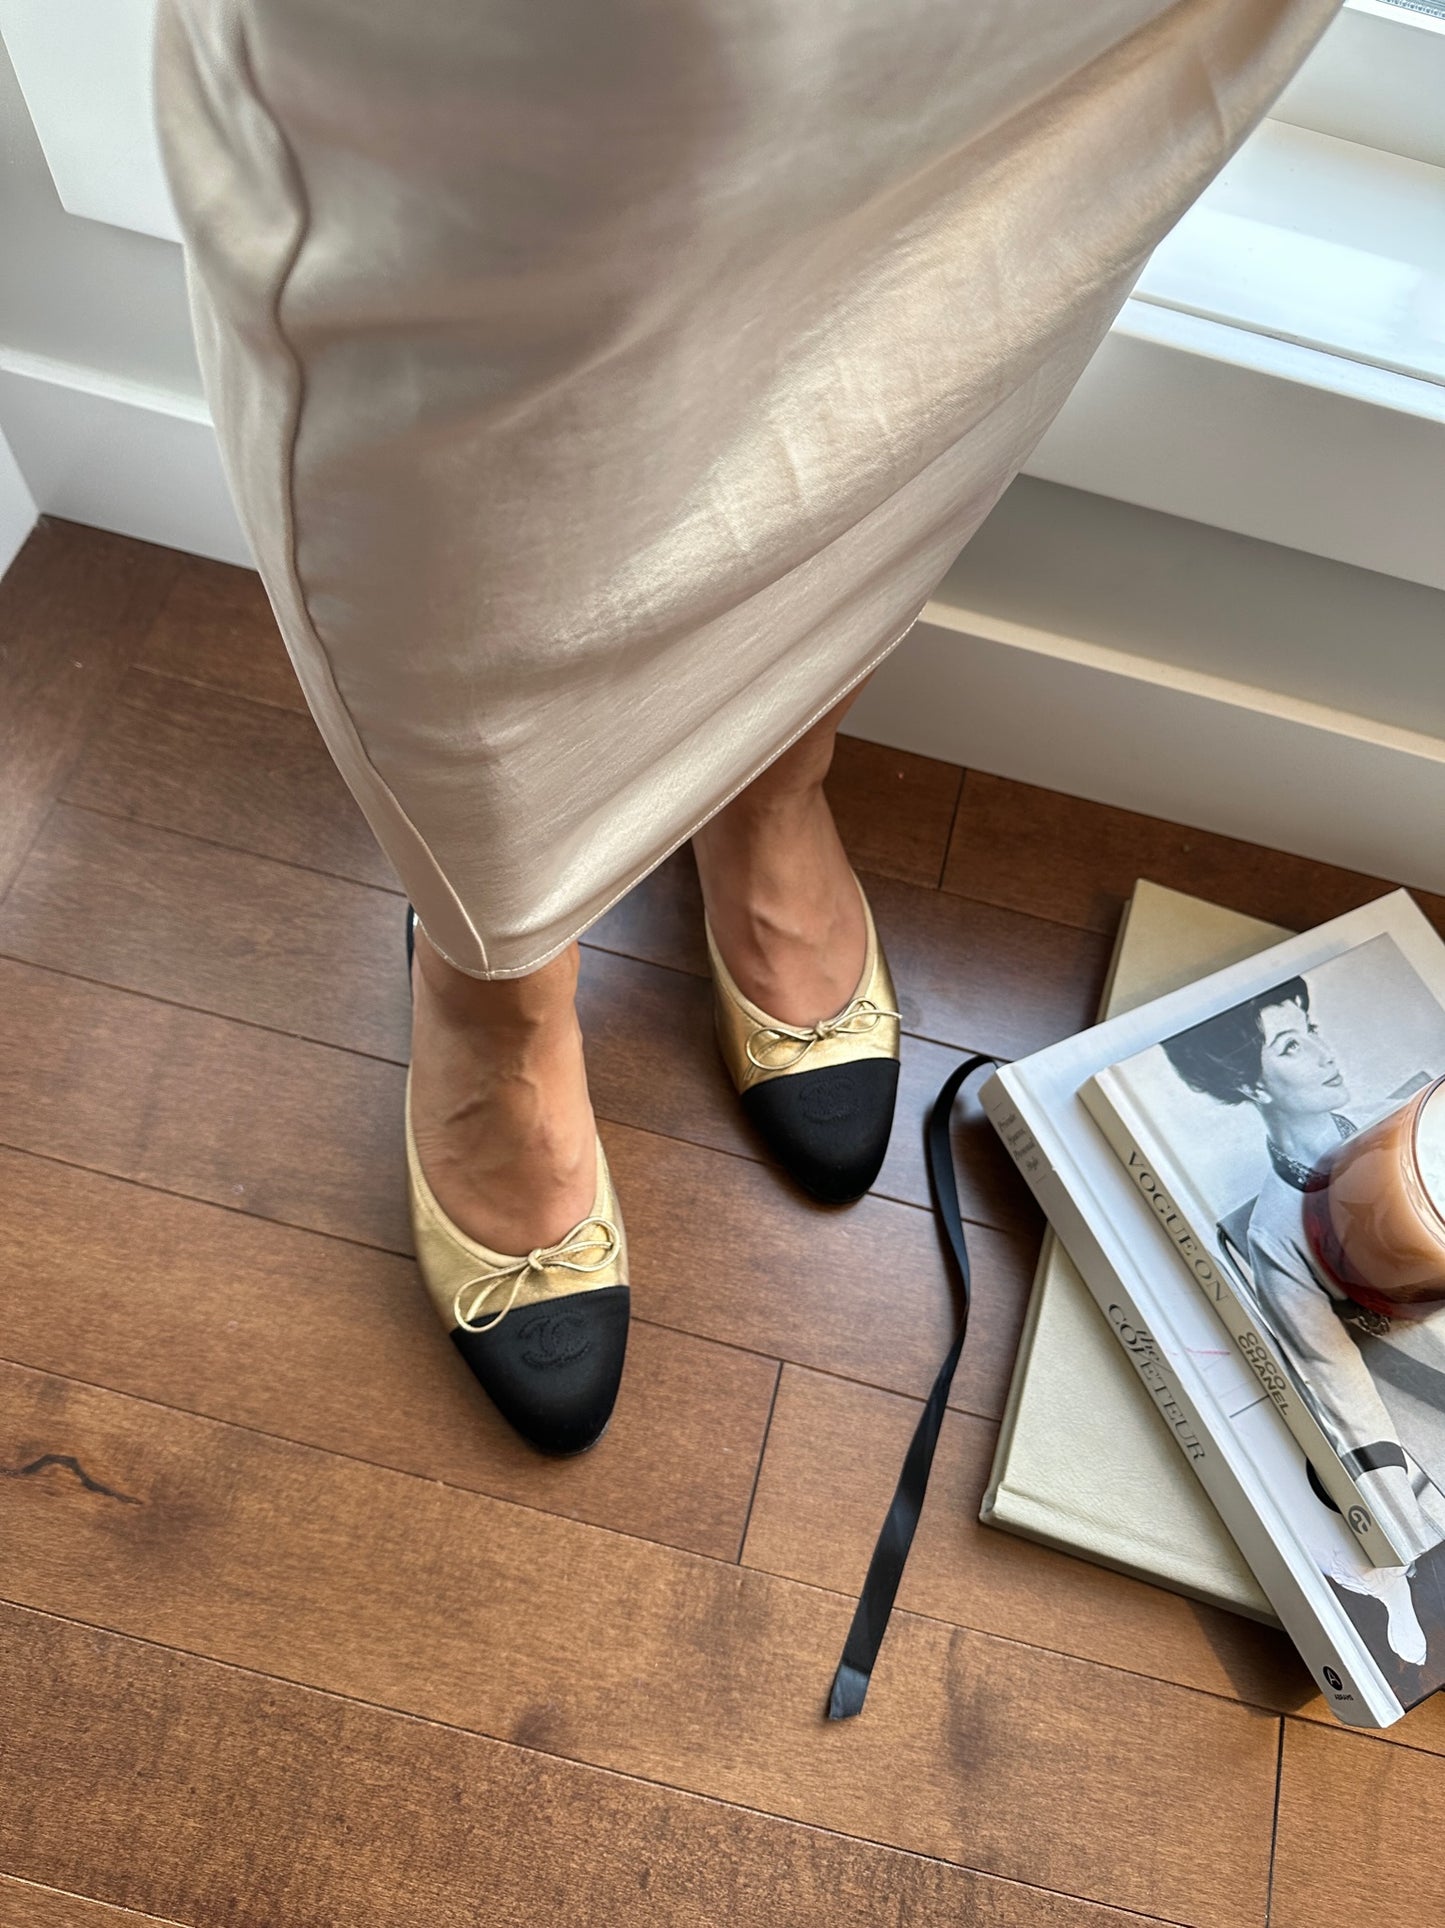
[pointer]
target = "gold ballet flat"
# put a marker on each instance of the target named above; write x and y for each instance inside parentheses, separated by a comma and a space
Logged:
(544, 1332)
(821, 1096)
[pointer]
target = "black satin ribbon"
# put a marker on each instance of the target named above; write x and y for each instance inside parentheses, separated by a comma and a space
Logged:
(890, 1555)
(1374, 1459)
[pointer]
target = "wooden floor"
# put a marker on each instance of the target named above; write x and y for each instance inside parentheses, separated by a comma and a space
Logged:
(295, 1635)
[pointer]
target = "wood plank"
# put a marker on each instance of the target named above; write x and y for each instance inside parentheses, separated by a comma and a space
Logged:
(75, 606)
(338, 1815)
(722, 1249)
(617, 1653)
(660, 918)
(834, 1450)
(23, 1905)
(894, 809)
(336, 1346)
(245, 774)
(257, 778)
(1360, 1824)
(983, 979)
(1423, 1728)
(199, 1105)
(832, 1458)
(1034, 850)
(218, 930)
(833, 1454)
(311, 1136)
(216, 627)
(187, 747)
(969, 975)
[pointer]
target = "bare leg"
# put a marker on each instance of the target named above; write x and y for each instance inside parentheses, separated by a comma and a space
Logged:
(503, 1122)
(504, 1127)
(776, 884)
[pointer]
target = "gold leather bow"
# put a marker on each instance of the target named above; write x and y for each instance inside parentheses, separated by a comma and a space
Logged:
(567, 1254)
(852, 1021)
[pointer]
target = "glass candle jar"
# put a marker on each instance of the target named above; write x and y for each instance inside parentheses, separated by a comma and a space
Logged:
(1375, 1213)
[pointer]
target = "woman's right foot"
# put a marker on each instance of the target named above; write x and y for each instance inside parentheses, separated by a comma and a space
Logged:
(518, 1231)
(503, 1124)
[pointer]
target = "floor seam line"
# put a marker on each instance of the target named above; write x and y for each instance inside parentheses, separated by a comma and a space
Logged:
(954, 815)
(1274, 1825)
(758, 1469)
(96, 1901)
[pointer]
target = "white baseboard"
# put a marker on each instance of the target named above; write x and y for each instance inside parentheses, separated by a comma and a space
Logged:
(1167, 742)
(17, 507)
(140, 460)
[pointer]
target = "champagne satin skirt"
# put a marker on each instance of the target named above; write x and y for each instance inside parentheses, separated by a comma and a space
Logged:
(606, 384)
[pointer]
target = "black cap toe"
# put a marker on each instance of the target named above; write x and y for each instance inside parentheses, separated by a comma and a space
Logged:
(830, 1127)
(552, 1369)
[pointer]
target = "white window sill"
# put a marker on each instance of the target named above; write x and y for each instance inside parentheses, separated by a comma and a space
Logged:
(1280, 367)
(1318, 241)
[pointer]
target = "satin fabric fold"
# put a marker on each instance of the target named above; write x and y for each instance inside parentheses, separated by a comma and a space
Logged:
(605, 385)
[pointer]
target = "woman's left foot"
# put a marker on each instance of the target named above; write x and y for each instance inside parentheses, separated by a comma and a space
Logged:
(806, 1011)
(782, 905)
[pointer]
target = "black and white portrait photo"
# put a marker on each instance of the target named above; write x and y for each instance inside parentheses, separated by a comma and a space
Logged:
(1249, 1105)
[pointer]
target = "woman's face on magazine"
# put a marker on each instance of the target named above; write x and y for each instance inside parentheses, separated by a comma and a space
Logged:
(1298, 1071)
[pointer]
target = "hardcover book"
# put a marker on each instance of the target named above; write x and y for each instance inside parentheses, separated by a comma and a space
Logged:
(1372, 1634)
(1084, 1463)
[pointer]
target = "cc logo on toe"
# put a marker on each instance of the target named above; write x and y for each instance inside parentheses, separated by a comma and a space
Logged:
(554, 1339)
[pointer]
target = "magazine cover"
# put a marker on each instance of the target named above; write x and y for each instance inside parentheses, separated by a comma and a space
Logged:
(1373, 1635)
(1223, 1126)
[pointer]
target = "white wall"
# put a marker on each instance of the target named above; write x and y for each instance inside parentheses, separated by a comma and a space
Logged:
(100, 394)
(83, 292)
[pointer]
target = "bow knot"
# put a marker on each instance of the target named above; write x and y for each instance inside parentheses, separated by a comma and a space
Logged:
(590, 1235)
(854, 1020)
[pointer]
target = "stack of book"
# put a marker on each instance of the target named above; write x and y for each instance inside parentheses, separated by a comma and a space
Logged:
(1197, 1401)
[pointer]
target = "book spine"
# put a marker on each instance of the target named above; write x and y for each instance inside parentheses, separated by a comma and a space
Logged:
(1356, 1700)
(1191, 1242)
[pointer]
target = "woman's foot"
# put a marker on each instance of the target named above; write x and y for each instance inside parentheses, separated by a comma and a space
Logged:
(503, 1124)
(778, 888)
(791, 945)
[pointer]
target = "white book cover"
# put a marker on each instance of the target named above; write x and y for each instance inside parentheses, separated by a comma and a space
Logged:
(1222, 1126)
(1373, 1636)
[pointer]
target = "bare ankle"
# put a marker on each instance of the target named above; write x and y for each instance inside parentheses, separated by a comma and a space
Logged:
(783, 909)
(503, 1125)
(538, 1001)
